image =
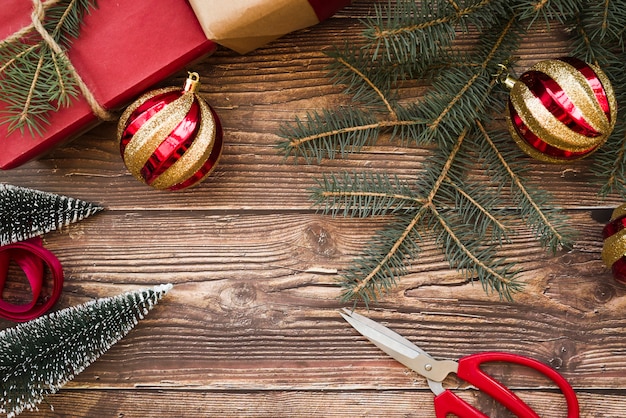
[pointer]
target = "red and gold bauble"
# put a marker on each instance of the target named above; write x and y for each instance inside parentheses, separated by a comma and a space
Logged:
(170, 138)
(614, 248)
(561, 110)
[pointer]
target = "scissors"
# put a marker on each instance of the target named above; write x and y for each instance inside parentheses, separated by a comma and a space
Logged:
(467, 368)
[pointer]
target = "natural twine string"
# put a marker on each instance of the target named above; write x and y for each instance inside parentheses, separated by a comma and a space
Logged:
(37, 17)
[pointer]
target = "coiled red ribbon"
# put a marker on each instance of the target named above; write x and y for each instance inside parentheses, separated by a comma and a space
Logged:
(31, 256)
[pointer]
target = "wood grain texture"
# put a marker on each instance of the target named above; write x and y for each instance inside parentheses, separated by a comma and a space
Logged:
(252, 326)
(299, 404)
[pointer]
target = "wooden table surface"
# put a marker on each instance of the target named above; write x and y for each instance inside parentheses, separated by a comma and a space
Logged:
(252, 326)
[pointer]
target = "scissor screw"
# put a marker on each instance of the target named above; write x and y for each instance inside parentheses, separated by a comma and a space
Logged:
(428, 367)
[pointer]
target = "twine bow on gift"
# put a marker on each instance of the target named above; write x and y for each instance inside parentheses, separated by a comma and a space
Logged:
(24, 61)
(38, 16)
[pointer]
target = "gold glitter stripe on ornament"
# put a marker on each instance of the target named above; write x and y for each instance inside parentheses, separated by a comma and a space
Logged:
(134, 105)
(543, 124)
(577, 88)
(154, 132)
(527, 148)
(196, 155)
(614, 248)
(618, 212)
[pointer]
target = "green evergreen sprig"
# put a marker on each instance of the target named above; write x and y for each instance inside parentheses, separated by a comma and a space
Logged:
(458, 120)
(400, 32)
(549, 11)
(34, 79)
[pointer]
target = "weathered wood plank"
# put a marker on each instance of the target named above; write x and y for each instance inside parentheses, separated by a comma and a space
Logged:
(190, 403)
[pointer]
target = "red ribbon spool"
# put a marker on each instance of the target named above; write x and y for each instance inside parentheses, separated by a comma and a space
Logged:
(31, 256)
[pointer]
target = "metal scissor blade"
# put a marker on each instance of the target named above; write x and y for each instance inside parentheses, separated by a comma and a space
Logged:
(397, 346)
(362, 321)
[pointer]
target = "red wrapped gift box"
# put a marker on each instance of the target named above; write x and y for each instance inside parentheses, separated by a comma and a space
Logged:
(125, 47)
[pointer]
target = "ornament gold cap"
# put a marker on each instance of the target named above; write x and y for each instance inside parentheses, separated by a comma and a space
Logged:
(192, 83)
(504, 77)
(509, 81)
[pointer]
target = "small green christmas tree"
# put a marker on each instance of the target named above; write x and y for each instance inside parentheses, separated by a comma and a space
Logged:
(27, 213)
(38, 357)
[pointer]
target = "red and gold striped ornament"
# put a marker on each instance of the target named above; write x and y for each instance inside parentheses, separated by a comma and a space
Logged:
(170, 138)
(561, 110)
(614, 248)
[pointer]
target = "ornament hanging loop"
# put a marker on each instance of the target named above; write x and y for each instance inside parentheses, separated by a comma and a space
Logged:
(192, 83)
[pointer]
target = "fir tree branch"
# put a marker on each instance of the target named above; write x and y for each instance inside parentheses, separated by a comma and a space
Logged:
(376, 272)
(367, 83)
(548, 231)
(382, 33)
(462, 91)
(345, 130)
(491, 278)
(16, 56)
(493, 220)
(443, 174)
(24, 114)
(367, 284)
(368, 288)
(549, 10)
(296, 143)
(418, 32)
(363, 195)
(501, 281)
(64, 20)
(322, 134)
(392, 113)
(435, 124)
(370, 261)
(62, 91)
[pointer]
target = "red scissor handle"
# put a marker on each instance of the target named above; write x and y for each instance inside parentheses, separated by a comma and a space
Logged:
(470, 371)
(30, 255)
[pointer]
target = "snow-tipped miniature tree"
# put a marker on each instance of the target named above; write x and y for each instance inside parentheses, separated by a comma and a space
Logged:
(38, 357)
(27, 213)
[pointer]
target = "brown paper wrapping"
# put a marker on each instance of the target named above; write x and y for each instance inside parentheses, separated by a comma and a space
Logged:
(244, 25)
